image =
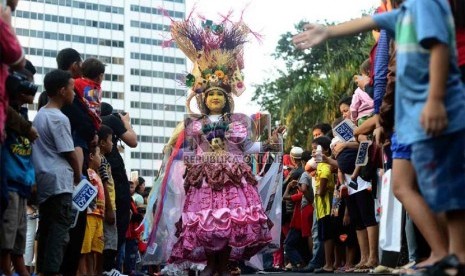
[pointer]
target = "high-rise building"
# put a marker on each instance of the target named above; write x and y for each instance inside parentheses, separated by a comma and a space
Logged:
(141, 74)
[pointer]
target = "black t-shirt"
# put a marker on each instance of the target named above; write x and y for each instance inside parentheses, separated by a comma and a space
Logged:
(80, 120)
(117, 125)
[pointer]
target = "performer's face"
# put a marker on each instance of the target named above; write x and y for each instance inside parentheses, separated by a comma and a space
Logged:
(215, 101)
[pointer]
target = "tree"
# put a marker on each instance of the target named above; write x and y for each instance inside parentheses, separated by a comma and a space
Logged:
(308, 90)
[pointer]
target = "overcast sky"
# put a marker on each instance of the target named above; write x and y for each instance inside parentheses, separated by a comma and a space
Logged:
(272, 18)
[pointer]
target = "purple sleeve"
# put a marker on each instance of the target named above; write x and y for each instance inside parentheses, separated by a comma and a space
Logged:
(381, 70)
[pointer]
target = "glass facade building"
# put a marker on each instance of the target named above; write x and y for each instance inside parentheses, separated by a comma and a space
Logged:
(141, 75)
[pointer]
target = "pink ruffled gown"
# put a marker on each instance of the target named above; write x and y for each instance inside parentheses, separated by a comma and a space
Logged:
(222, 207)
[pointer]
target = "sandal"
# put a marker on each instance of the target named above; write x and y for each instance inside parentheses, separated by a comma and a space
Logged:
(342, 269)
(363, 269)
(234, 269)
(449, 266)
(355, 267)
(382, 270)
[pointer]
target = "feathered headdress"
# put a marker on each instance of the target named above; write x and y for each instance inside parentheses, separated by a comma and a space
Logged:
(216, 51)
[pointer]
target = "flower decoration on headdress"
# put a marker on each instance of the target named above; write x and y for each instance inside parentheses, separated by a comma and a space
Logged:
(216, 50)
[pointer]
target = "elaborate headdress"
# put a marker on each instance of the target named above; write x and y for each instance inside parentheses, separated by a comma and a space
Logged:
(217, 53)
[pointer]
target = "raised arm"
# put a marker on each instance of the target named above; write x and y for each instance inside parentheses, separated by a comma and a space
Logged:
(130, 136)
(315, 34)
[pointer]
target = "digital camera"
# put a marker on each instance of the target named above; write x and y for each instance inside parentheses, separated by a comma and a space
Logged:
(117, 114)
(17, 83)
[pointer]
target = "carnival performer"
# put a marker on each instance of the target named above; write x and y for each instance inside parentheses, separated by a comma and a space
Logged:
(218, 214)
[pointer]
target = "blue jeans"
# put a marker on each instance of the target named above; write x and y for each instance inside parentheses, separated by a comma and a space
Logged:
(318, 259)
(130, 257)
(293, 239)
(411, 240)
(120, 257)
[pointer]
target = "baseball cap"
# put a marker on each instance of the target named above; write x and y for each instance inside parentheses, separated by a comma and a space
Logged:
(296, 152)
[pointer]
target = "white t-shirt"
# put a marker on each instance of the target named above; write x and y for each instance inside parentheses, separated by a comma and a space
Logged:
(362, 184)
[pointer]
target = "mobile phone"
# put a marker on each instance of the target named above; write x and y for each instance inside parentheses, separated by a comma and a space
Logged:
(353, 185)
(134, 175)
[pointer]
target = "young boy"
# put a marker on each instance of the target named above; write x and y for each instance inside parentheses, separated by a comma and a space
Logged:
(92, 247)
(429, 105)
(56, 170)
(88, 87)
(302, 218)
(132, 237)
(19, 175)
(324, 189)
(110, 232)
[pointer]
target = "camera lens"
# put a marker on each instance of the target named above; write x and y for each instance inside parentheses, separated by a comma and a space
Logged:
(27, 88)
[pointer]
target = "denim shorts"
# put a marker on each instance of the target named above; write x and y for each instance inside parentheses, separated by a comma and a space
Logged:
(440, 166)
(399, 151)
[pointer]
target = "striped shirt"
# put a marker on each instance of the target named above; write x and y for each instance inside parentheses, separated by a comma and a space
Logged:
(105, 174)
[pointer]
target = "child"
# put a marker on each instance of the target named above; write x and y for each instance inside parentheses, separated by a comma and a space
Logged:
(56, 168)
(345, 237)
(429, 106)
(324, 189)
(341, 145)
(362, 107)
(88, 87)
(292, 244)
(92, 246)
(305, 186)
(132, 238)
(19, 175)
(110, 232)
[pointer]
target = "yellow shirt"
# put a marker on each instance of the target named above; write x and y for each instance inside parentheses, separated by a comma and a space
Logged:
(323, 203)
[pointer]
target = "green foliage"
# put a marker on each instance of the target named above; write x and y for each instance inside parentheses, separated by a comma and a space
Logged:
(308, 90)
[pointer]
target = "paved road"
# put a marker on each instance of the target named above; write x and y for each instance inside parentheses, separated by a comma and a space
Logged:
(297, 274)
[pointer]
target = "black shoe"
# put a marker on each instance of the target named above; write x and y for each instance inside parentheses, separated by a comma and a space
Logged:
(306, 269)
(322, 270)
(274, 270)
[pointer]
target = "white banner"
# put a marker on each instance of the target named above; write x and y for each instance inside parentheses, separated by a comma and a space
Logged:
(390, 226)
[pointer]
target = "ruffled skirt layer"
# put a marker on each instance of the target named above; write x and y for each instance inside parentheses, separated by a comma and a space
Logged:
(217, 219)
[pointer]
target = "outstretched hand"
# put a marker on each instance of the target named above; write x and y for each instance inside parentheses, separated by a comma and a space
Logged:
(312, 35)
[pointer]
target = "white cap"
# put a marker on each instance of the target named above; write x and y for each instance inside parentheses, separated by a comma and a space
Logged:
(296, 152)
